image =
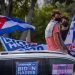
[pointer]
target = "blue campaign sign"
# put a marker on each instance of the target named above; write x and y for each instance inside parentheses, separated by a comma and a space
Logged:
(12, 45)
(26, 68)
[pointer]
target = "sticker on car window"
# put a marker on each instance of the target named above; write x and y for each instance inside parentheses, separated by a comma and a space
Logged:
(26, 68)
(62, 69)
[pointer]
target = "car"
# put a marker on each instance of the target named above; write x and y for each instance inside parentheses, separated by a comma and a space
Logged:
(36, 63)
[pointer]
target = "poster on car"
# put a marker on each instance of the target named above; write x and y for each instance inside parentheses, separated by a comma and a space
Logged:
(26, 68)
(62, 69)
(20, 45)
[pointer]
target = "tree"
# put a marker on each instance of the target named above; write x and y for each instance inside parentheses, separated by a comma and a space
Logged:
(29, 17)
(68, 2)
(41, 18)
(2, 5)
(9, 7)
(71, 9)
(20, 8)
(6, 9)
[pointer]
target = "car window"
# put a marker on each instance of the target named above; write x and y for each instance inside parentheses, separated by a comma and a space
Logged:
(38, 66)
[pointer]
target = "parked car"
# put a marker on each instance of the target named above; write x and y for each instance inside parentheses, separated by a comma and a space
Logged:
(36, 63)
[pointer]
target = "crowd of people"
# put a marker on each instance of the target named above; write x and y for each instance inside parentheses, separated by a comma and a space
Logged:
(56, 32)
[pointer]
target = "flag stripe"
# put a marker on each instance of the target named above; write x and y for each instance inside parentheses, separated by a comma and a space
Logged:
(8, 25)
(2, 21)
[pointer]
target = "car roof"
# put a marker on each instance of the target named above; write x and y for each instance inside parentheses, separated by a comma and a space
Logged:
(38, 54)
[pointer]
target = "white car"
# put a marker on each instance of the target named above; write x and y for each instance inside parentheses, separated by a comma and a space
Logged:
(36, 63)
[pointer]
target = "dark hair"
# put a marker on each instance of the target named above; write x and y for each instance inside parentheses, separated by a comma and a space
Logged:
(55, 12)
(64, 17)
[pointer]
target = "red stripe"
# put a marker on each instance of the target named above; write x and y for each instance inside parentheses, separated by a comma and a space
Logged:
(2, 21)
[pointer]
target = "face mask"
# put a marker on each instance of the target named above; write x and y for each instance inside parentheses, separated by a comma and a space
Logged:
(58, 19)
(65, 24)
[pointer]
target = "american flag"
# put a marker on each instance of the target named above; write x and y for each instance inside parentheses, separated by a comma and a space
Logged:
(62, 69)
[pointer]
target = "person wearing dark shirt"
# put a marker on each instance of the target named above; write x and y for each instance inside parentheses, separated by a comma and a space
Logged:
(64, 27)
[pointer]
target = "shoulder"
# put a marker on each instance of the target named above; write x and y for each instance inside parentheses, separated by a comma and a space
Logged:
(56, 28)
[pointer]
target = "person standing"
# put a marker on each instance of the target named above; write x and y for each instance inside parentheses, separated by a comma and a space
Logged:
(52, 33)
(64, 27)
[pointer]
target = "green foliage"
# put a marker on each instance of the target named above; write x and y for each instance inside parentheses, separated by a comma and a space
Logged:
(1, 47)
(67, 2)
(20, 8)
(15, 35)
(71, 9)
(63, 9)
(41, 19)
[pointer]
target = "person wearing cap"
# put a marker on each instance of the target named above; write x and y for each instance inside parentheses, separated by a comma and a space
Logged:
(52, 33)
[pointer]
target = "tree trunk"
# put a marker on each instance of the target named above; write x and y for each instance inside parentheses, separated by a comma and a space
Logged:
(9, 8)
(2, 7)
(7, 11)
(29, 20)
